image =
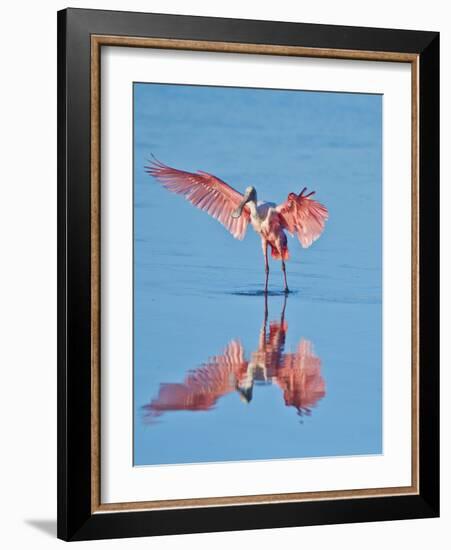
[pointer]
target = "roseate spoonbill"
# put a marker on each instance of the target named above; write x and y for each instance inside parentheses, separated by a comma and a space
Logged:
(299, 214)
(297, 374)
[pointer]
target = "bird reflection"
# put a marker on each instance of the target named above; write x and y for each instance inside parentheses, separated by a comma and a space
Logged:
(298, 374)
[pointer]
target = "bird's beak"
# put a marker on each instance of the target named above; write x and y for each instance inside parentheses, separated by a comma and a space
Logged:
(245, 394)
(238, 211)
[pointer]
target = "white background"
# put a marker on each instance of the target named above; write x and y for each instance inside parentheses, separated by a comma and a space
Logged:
(28, 272)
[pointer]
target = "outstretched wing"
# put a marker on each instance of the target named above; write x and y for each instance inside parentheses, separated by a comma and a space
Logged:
(304, 216)
(202, 387)
(205, 191)
(300, 378)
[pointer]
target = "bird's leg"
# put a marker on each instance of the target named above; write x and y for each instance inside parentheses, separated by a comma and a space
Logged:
(282, 315)
(262, 338)
(265, 253)
(285, 277)
(265, 318)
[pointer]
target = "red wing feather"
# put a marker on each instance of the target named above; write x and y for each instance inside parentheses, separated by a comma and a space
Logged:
(300, 378)
(203, 387)
(206, 192)
(304, 216)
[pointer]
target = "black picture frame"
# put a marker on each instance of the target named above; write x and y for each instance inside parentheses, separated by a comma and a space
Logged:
(76, 521)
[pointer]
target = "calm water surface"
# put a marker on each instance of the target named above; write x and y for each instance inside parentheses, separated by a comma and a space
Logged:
(220, 372)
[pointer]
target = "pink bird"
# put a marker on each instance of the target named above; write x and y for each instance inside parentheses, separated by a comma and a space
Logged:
(298, 375)
(299, 214)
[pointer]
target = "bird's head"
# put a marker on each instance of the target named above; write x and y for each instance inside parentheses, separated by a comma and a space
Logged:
(245, 394)
(249, 195)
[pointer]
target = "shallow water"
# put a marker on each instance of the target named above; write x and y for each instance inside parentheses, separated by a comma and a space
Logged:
(220, 373)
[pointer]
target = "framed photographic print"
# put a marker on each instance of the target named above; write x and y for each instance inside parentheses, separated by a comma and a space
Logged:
(248, 274)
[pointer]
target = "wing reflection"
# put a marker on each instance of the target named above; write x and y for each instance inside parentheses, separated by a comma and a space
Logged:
(298, 374)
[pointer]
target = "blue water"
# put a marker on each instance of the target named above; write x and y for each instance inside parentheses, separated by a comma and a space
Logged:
(198, 292)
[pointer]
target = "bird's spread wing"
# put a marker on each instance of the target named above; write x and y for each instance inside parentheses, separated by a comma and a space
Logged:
(205, 191)
(203, 386)
(304, 216)
(300, 378)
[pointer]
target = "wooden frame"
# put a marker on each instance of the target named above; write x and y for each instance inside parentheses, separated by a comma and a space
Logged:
(81, 34)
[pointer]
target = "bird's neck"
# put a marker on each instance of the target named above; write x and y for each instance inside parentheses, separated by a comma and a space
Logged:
(253, 209)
